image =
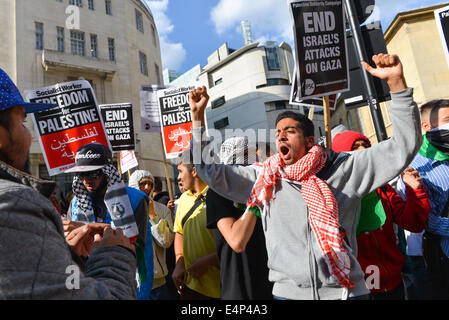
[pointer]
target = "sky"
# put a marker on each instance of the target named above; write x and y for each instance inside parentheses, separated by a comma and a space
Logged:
(190, 30)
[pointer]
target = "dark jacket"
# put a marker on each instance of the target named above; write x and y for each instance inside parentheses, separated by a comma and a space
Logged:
(36, 261)
(162, 197)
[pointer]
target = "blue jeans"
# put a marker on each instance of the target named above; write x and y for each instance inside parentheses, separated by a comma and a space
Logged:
(160, 293)
(426, 285)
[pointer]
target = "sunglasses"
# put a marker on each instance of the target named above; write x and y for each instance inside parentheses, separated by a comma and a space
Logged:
(90, 175)
(359, 144)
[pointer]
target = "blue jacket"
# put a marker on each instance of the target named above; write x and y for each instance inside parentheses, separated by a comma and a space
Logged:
(135, 197)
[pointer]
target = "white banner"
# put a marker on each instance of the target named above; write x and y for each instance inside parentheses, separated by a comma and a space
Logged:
(128, 160)
(149, 108)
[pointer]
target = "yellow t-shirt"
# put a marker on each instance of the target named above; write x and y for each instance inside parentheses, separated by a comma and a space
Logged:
(198, 242)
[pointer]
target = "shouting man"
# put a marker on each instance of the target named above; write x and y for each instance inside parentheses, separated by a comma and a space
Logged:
(309, 199)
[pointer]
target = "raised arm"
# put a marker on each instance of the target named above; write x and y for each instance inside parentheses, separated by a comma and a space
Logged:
(368, 169)
(232, 182)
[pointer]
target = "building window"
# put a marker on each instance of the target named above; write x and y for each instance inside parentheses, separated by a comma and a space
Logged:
(221, 123)
(274, 82)
(218, 81)
(78, 3)
(306, 110)
(139, 21)
(93, 46)
(77, 43)
(279, 105)
(39, 35)
(158, 76)
(277, 82)
(218, 102)
(91, 4)
(143, 63)
(108, 5)
(273, 61)
(153, 32)
(60, 38)
(111, 45)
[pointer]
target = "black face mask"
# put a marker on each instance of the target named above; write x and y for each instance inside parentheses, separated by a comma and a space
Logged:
(99, 193)
(440, 140)
(98, 204)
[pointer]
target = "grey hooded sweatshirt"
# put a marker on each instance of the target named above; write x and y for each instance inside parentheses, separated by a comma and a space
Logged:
(36, 261)
(294, 259)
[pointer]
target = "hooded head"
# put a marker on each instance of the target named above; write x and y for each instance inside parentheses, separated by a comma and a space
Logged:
(237, 151)
(142, 180)
(346, 141)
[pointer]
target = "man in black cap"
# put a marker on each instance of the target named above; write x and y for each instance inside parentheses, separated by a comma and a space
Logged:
(36, 261)
(102, 196)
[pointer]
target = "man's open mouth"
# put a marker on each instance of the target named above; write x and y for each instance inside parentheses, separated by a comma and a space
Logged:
(284, 150)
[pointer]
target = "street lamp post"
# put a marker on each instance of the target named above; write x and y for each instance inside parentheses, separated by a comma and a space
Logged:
(373, 103)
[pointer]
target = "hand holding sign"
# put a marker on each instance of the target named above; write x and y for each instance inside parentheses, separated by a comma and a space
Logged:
(388, 68)
(198, 102)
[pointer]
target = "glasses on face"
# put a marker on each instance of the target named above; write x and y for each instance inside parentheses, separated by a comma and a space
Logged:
(359, 144)
(90, 175)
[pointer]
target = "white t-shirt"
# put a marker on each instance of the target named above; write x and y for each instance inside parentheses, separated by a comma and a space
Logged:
(414, 243)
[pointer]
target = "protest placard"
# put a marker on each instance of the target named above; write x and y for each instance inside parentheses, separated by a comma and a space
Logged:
(119, 124)
(149, 108)
(442, 20)
(176, 120)
(128, 160)
(320, 48)
(314, 102)
(62, 131)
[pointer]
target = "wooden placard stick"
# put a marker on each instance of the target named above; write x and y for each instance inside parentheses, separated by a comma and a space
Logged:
(311, 113)
(167, 177)
(327, 121)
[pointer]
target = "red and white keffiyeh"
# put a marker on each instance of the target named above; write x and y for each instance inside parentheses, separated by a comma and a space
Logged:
(322, 205)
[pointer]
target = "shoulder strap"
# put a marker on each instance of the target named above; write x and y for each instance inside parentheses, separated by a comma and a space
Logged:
(198, 202)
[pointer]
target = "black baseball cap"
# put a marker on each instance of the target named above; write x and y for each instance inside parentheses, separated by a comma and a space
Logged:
(91, 157)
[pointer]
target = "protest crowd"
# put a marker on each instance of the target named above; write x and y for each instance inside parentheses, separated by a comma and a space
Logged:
(304, 222)
(296, 218)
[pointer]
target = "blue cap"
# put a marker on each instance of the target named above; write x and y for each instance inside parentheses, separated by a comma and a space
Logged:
(11, 97)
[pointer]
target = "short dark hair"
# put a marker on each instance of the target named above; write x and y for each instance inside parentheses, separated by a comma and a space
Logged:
(434, 105)
(432, 108)
(5, 118)
(189, 166)
(184, 158)
(305, 124)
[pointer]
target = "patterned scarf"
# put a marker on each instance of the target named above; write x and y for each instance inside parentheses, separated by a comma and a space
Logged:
(322, 205)
(116, 200)
(429, 150)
